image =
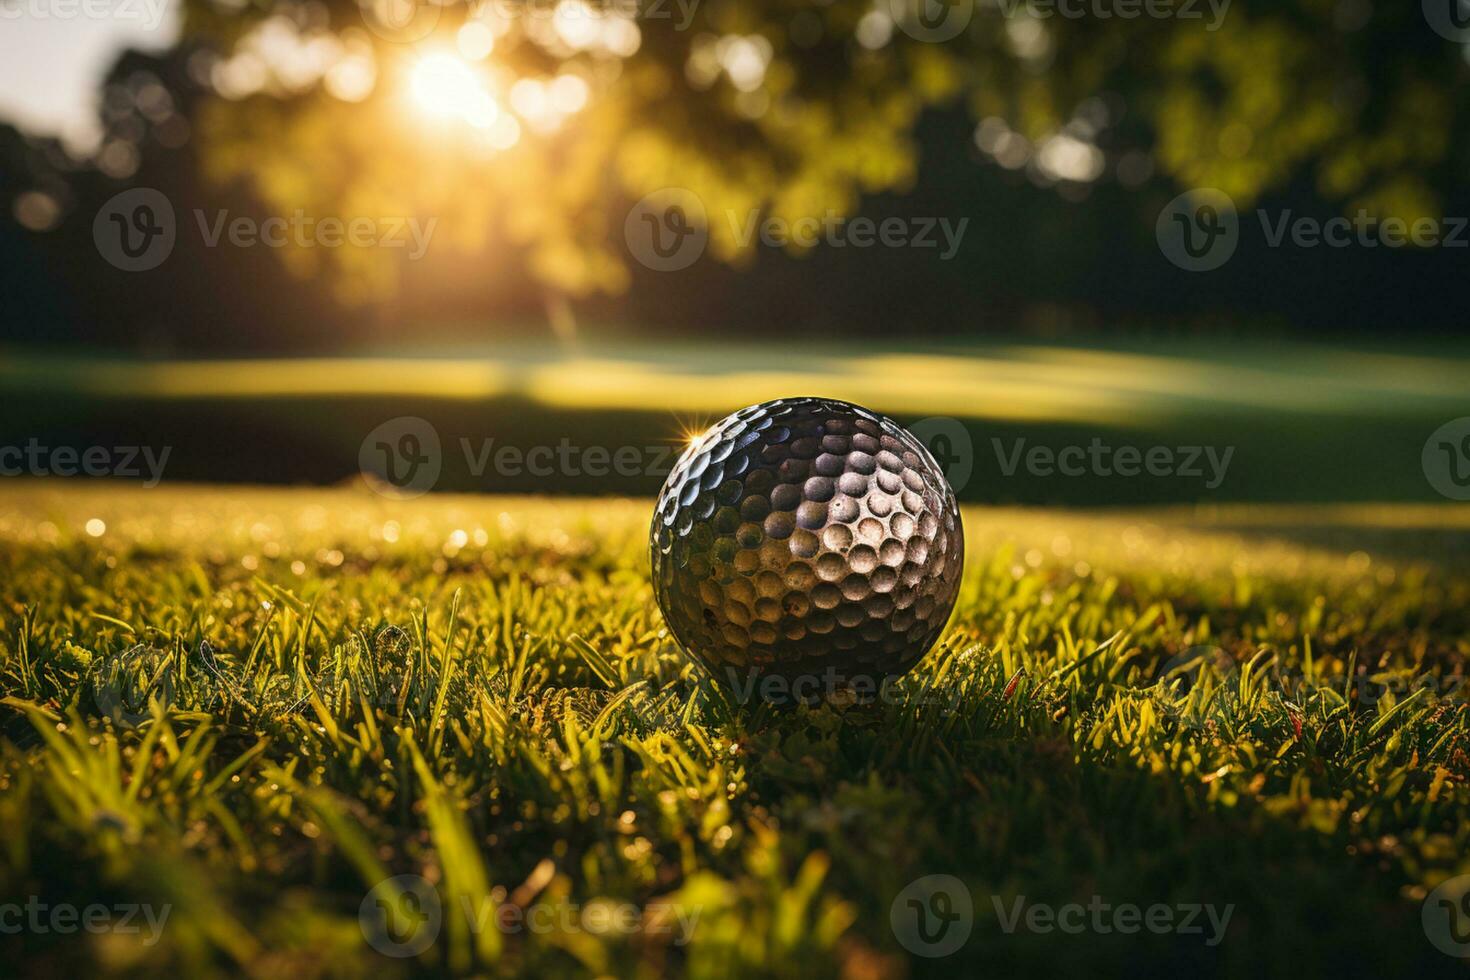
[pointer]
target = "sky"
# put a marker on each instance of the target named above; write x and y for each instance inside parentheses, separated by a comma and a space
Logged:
(55, 53)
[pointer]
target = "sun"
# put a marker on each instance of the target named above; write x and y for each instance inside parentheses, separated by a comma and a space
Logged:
(443, 84)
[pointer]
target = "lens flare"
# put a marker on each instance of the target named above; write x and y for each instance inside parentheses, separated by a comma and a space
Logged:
(445, 85)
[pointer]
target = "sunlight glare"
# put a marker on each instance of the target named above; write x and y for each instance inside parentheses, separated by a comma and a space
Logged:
(445, 85)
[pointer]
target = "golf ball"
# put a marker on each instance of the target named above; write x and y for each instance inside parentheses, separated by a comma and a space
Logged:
(807, 540)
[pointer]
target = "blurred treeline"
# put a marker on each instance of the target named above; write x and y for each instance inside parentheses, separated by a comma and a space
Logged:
(1060, 139)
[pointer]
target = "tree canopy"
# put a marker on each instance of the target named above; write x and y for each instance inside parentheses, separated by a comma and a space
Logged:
(536, 123)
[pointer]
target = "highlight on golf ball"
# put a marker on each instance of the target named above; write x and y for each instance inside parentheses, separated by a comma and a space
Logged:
(807, 542)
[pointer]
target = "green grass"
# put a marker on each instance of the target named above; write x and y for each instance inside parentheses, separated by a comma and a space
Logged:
(1304, 422)
(479, 691)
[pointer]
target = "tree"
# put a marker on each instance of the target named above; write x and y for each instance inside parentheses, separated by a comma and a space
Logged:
(534, 124)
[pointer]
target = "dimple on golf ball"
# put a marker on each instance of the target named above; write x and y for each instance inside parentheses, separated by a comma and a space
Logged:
(810, 540)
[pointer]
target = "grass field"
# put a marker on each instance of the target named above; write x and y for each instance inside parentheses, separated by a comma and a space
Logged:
(252, 707)
(1303, 422)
